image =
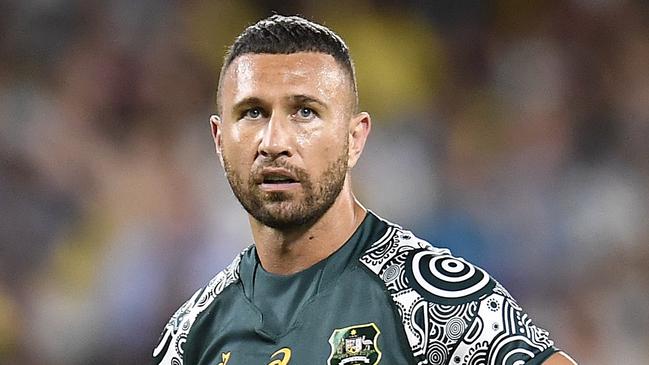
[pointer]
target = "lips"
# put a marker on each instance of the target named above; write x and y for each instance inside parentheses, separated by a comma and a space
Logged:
(277, 179)
(276, 176)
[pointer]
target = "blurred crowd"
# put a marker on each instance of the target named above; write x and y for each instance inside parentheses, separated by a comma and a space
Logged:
(513, 132)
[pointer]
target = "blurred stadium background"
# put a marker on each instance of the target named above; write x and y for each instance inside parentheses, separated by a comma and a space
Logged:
(514, 132)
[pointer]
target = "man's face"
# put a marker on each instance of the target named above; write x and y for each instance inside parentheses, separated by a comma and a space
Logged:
(284, 134)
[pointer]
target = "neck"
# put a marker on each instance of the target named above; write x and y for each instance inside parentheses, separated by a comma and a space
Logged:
(286, 252)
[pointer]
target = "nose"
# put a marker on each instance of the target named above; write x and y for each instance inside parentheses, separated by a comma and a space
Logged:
(277, 138)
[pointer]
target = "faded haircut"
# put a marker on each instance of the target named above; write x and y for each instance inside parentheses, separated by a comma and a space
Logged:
(280, 34)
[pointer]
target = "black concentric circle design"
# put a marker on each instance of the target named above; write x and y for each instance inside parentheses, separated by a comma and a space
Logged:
(391, 273)
(180, 344)
(444, 279)
(455, 328)
(513, 350)
(437, 353)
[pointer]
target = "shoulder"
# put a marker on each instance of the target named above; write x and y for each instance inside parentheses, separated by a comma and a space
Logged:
(451, 310)
(170, 346)
(404, 261)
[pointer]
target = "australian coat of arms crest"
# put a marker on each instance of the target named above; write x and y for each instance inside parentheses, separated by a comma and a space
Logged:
(355, 345)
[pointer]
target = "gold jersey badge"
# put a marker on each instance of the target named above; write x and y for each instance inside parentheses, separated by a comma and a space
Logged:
(355, 345)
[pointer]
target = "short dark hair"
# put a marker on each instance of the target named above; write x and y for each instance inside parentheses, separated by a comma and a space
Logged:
(280, 34)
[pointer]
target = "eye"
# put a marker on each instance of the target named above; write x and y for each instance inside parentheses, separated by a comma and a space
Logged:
(305, 113)
(253, 113)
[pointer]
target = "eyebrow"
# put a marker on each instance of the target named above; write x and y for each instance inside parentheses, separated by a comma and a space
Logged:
(294, 99)
(305, 99)
(249, 101)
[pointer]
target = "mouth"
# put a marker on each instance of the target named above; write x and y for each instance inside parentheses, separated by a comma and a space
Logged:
(278, 179)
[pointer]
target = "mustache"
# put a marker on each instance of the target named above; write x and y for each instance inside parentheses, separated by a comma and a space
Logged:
(257, 175)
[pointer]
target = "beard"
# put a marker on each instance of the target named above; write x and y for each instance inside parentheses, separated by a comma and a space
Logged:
(286, 210)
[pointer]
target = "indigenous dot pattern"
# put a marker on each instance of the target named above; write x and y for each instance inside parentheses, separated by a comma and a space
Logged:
(452, 311)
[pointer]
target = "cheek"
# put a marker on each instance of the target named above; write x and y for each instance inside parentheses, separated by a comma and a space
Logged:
(239, 145)
(321, 146)
(306, 138)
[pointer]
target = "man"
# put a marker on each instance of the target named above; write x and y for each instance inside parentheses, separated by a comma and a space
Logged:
(328, 282)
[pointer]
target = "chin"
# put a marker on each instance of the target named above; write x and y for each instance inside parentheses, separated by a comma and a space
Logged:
(279, 197)
(285, 215)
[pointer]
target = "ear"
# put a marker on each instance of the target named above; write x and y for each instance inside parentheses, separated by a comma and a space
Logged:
(359, 130)
(215, 124)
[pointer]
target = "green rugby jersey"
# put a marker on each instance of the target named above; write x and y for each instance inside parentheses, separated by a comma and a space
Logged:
(385, 297)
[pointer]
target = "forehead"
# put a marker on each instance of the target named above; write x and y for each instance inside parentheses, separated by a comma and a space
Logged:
(280, 75)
